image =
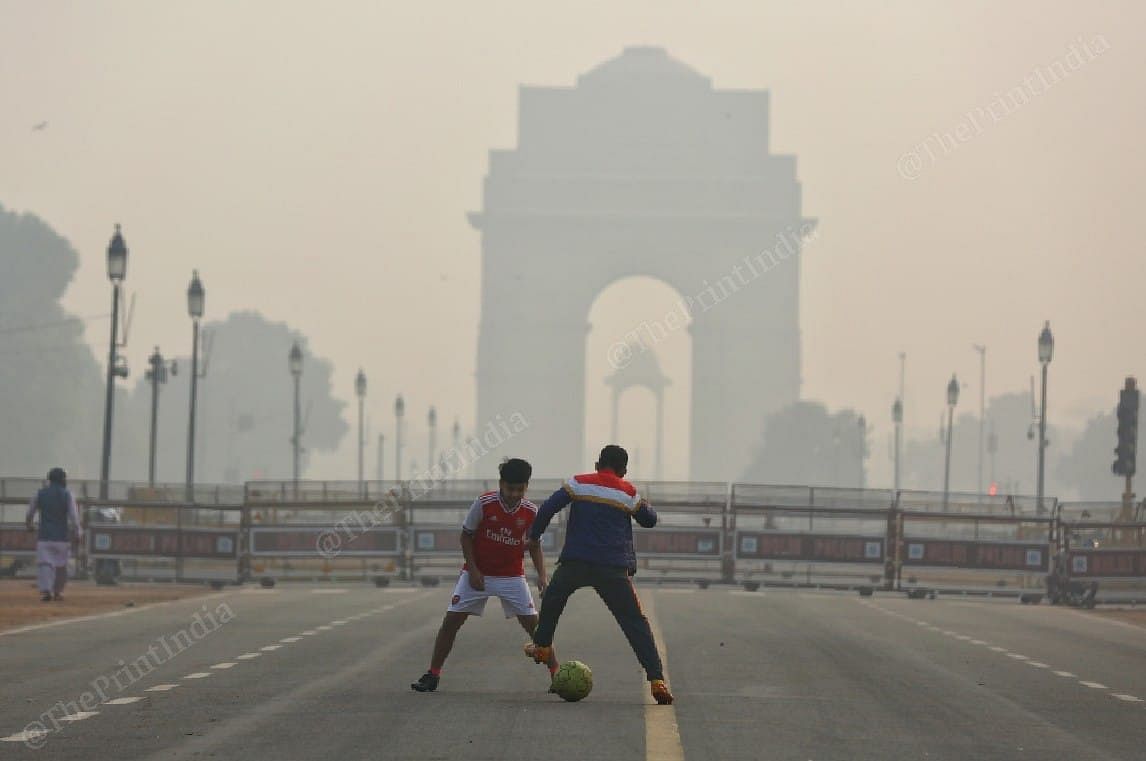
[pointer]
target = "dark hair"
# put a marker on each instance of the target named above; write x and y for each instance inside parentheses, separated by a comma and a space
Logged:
(57, 476)
(613, 457)
(514, 470)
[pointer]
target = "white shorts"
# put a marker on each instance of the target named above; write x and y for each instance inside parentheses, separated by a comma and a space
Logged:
(52, 553)
(513, 591)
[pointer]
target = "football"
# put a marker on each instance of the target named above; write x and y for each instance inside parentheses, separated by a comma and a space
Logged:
(573, 681)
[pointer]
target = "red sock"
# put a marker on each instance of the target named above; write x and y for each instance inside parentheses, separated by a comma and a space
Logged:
(436, 672)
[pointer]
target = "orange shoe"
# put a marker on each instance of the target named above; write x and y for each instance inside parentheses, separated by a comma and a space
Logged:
(660, 692)
(538, 653)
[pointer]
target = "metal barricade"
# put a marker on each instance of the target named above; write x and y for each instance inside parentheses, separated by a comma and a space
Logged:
(973, 542)
(810, 536)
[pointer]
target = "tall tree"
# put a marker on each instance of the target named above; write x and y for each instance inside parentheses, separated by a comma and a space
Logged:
(804, 443)
(1085, 470)
(51, 405)
(245, 407)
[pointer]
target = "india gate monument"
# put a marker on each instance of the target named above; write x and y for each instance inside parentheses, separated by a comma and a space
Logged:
(641, 169)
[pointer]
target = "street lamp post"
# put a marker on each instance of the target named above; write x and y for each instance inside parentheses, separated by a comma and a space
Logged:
(399, 411)
(360, 391)
(1046, 351)
(381, 454)
(952, 400)
(195, 303)
(295, 364)
(982, 409)
(457, 431)
(157, 375)
(432, 423)
(862, 451)
(116, 272)
(897, 419)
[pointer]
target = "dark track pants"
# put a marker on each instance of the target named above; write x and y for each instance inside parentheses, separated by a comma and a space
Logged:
(615, 588)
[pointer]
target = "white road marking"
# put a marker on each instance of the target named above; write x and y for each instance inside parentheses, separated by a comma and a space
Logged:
(1093, 685)
(248, 656)
(161, 688)
(998, 649)
(198, 675)
(79, 716)
(324, 628)
(23, 737)
(1066, 674)
(662, 733)
(122, 701)
(290, 639)
(309, 632)
(978, 642)
(270, 648)
(1038, 665)
(1016, 656)
(1127, 698)
(963, 637)
(226, 665)
(337, 623)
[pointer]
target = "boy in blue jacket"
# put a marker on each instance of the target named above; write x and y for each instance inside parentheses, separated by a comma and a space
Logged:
(599, 553)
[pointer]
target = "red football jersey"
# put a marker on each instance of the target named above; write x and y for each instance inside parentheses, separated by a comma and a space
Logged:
(499, 534)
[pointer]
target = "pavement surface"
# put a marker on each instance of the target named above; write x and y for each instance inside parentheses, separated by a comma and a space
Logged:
(323, 672)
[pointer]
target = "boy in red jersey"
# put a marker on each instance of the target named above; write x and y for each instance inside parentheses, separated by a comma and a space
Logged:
(494, 539)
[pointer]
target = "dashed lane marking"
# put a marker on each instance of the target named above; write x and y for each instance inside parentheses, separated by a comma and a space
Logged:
(79, 716)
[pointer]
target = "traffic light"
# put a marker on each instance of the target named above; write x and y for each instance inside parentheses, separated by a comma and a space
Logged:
(1127, 430)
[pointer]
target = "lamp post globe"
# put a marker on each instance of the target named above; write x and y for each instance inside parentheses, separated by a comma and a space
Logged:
(117, 257)
(1046, 344)
(195, 296)
(295, 360)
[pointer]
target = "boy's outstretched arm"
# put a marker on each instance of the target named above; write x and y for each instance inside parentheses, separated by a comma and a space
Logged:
(557, 500)
(645, 515)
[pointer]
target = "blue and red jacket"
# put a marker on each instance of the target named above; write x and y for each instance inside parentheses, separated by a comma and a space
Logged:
(600, 525)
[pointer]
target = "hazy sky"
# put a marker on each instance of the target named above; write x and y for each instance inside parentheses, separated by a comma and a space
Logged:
(315, 162)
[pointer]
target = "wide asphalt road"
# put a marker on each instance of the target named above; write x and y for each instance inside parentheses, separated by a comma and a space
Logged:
(312, 672)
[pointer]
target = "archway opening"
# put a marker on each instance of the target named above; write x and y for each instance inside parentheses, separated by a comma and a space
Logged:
(638, 349)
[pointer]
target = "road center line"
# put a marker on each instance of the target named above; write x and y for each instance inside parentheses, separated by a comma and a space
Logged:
(662, 733)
